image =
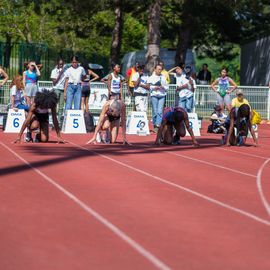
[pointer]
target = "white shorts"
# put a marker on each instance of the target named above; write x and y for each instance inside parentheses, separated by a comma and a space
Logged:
(31, 89)
(141, 103)
(223, 100)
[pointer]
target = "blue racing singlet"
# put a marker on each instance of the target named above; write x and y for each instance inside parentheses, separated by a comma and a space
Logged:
(30, 77)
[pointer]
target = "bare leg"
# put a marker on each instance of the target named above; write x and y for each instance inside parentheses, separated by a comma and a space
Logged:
(168, 134)
(86, 104)
(114, 130)
(82, 103)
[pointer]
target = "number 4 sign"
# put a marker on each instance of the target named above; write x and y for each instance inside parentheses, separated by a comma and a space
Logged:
(74, 122)
(15, 121)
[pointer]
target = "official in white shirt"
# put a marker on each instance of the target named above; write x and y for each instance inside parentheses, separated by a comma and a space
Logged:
(141, 89)
(58, 79)
(73, 89)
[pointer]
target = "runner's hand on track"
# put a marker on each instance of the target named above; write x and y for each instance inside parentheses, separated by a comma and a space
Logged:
(92, 141)
(18, 140)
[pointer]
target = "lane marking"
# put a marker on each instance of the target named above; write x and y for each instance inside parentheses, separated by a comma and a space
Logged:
(162, 180)
(140, 249)
(260, 189)
(207, 163)
(212, 164)
(243, 153)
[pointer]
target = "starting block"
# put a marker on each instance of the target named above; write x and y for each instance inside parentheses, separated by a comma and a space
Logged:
(194, 124)
(15, 120)
(74, 122)
(137, 123)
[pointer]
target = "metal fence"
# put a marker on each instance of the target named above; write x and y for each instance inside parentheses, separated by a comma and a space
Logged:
(205, 98)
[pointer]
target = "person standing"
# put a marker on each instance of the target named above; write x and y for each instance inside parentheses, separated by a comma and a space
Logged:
(225, 86)
(158, 88)
(58, 78)
(86, 82)
(164, 72)
(186, 86)
(115, 83)
(3, 77)
(72, 88)
(130, 72)
(204, 76)
(30, 78)
(141, 89)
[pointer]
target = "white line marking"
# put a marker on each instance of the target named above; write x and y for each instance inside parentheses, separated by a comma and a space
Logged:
(242, 153)
(259, 186)
(208, 163)
(140, 249)
(162, 180)
(211, 164)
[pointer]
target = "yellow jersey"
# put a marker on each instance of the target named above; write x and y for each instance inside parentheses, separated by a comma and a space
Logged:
(236, 103)
(165, 73)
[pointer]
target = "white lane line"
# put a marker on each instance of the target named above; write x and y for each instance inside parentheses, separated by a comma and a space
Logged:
(167, 182)
(241, 153)
(140, 249)
(259, 186)
(212, 164)
(208, 163)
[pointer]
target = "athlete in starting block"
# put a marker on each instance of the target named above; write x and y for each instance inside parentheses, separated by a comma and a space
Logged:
(112, 115)
(174, 119)
(38, 118)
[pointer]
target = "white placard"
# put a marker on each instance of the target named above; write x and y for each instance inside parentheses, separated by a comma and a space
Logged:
(98, 97)
(137, 123)
(194, 124)
(74, 122)
(15, 120)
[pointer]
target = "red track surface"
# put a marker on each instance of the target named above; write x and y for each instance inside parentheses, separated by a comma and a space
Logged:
(78, 206)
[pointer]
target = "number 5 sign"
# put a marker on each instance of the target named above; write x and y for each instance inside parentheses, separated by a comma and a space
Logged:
(15, 121)
(74, 122)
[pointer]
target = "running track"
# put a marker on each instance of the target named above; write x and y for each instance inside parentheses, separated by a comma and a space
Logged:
(77, 206)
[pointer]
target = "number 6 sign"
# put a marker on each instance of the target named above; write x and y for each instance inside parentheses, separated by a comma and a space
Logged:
(15, 121)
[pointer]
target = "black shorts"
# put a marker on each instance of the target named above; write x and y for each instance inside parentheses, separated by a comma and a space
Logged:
(42, 117)
(85, 90)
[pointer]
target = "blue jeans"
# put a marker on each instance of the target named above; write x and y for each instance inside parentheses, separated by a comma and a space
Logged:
(186, 103)
(74, 94)
(157, 109)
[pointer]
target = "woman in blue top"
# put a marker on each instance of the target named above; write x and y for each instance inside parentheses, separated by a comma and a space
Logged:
(30, 78)
(225, 86)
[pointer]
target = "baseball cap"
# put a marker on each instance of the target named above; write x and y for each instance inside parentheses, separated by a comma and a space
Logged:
(239, 92)
(217, 108)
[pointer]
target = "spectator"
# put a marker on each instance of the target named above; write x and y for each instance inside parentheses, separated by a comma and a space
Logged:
(86, 89)
(164, 72)
(158, 88)
(141, 89)
(218, 121)
(239, 99)
(30, 78)
(17, 94)
(186, 87)
(3, 77)
(130, 85)
(204, 76)
(72, 88)
(115, 83)
(177, 75)
(58, 78)
(223, 91)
